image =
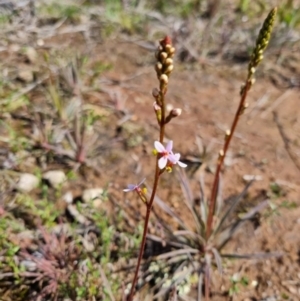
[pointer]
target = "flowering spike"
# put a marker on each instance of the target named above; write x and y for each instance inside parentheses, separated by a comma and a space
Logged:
(262, 41)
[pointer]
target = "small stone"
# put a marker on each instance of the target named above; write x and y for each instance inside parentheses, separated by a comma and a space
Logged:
(31, 54)
(292, 290)
(92, 194)
(254, 283)
(25, 76)
(55, 177)
(77, 215)
(40, 42)
(97, 203)
(248, 178)
(68, 197)
(27, 182)
(29, 265)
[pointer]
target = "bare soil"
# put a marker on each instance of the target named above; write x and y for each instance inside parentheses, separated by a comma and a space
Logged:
(265, 145)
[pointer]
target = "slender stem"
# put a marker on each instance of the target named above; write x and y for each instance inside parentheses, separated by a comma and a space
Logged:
(149, 207)
(146, 224)
(222, 155)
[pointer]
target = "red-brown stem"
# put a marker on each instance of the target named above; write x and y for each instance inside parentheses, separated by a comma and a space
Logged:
(214, 191)
(146, 224)
(149, 207)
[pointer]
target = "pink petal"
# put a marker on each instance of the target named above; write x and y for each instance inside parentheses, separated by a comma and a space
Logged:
(169, 146)
(174, 158)
(181, 164)
(159, 147)
(162, 162)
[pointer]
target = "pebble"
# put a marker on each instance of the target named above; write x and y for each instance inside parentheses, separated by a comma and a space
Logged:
(248, 178)
(55, 177)
(68, 197)
(31, 54)
(27, 182)
(26, 76)
(92, 194)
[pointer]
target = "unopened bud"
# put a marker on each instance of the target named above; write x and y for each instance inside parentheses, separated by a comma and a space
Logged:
(227, 134)
(158, 66)
(169, 61)
(169, 69)
(156, 106)
(171, 51)
(155, 92)
(173, 113)
(163, 56)
(157, 110)
(176, 112)
(168, 47)
(164, 78)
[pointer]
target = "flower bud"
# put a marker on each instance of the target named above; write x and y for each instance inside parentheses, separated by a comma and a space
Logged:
(158, 66)
(169, 61)
(173, 113)
(176, 112)
(155, 92)
(163, 56)
(156, 106)
(168, 47)
(171, 51)
(164, 79)
(169, 69)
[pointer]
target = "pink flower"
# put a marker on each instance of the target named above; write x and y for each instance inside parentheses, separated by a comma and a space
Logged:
(167, 155)
(133, 187)
(175, 160)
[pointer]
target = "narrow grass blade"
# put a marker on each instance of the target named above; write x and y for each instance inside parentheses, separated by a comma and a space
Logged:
(178, 252)
(218, 260)
(170, 243)
(233, 205)
(259, 256)
(169, 211)
(189, 200)
(194, 235)
(230, 230)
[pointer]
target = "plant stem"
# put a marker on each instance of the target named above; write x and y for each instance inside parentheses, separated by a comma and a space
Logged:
(143, 243)
(222, 155)
(149, 207)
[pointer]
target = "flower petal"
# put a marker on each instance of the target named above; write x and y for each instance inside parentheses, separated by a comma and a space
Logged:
(159, 147)
(141, 182)
(174, 158)
(169, 146)
(162, 162)
(181, 164)
(130, 187)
